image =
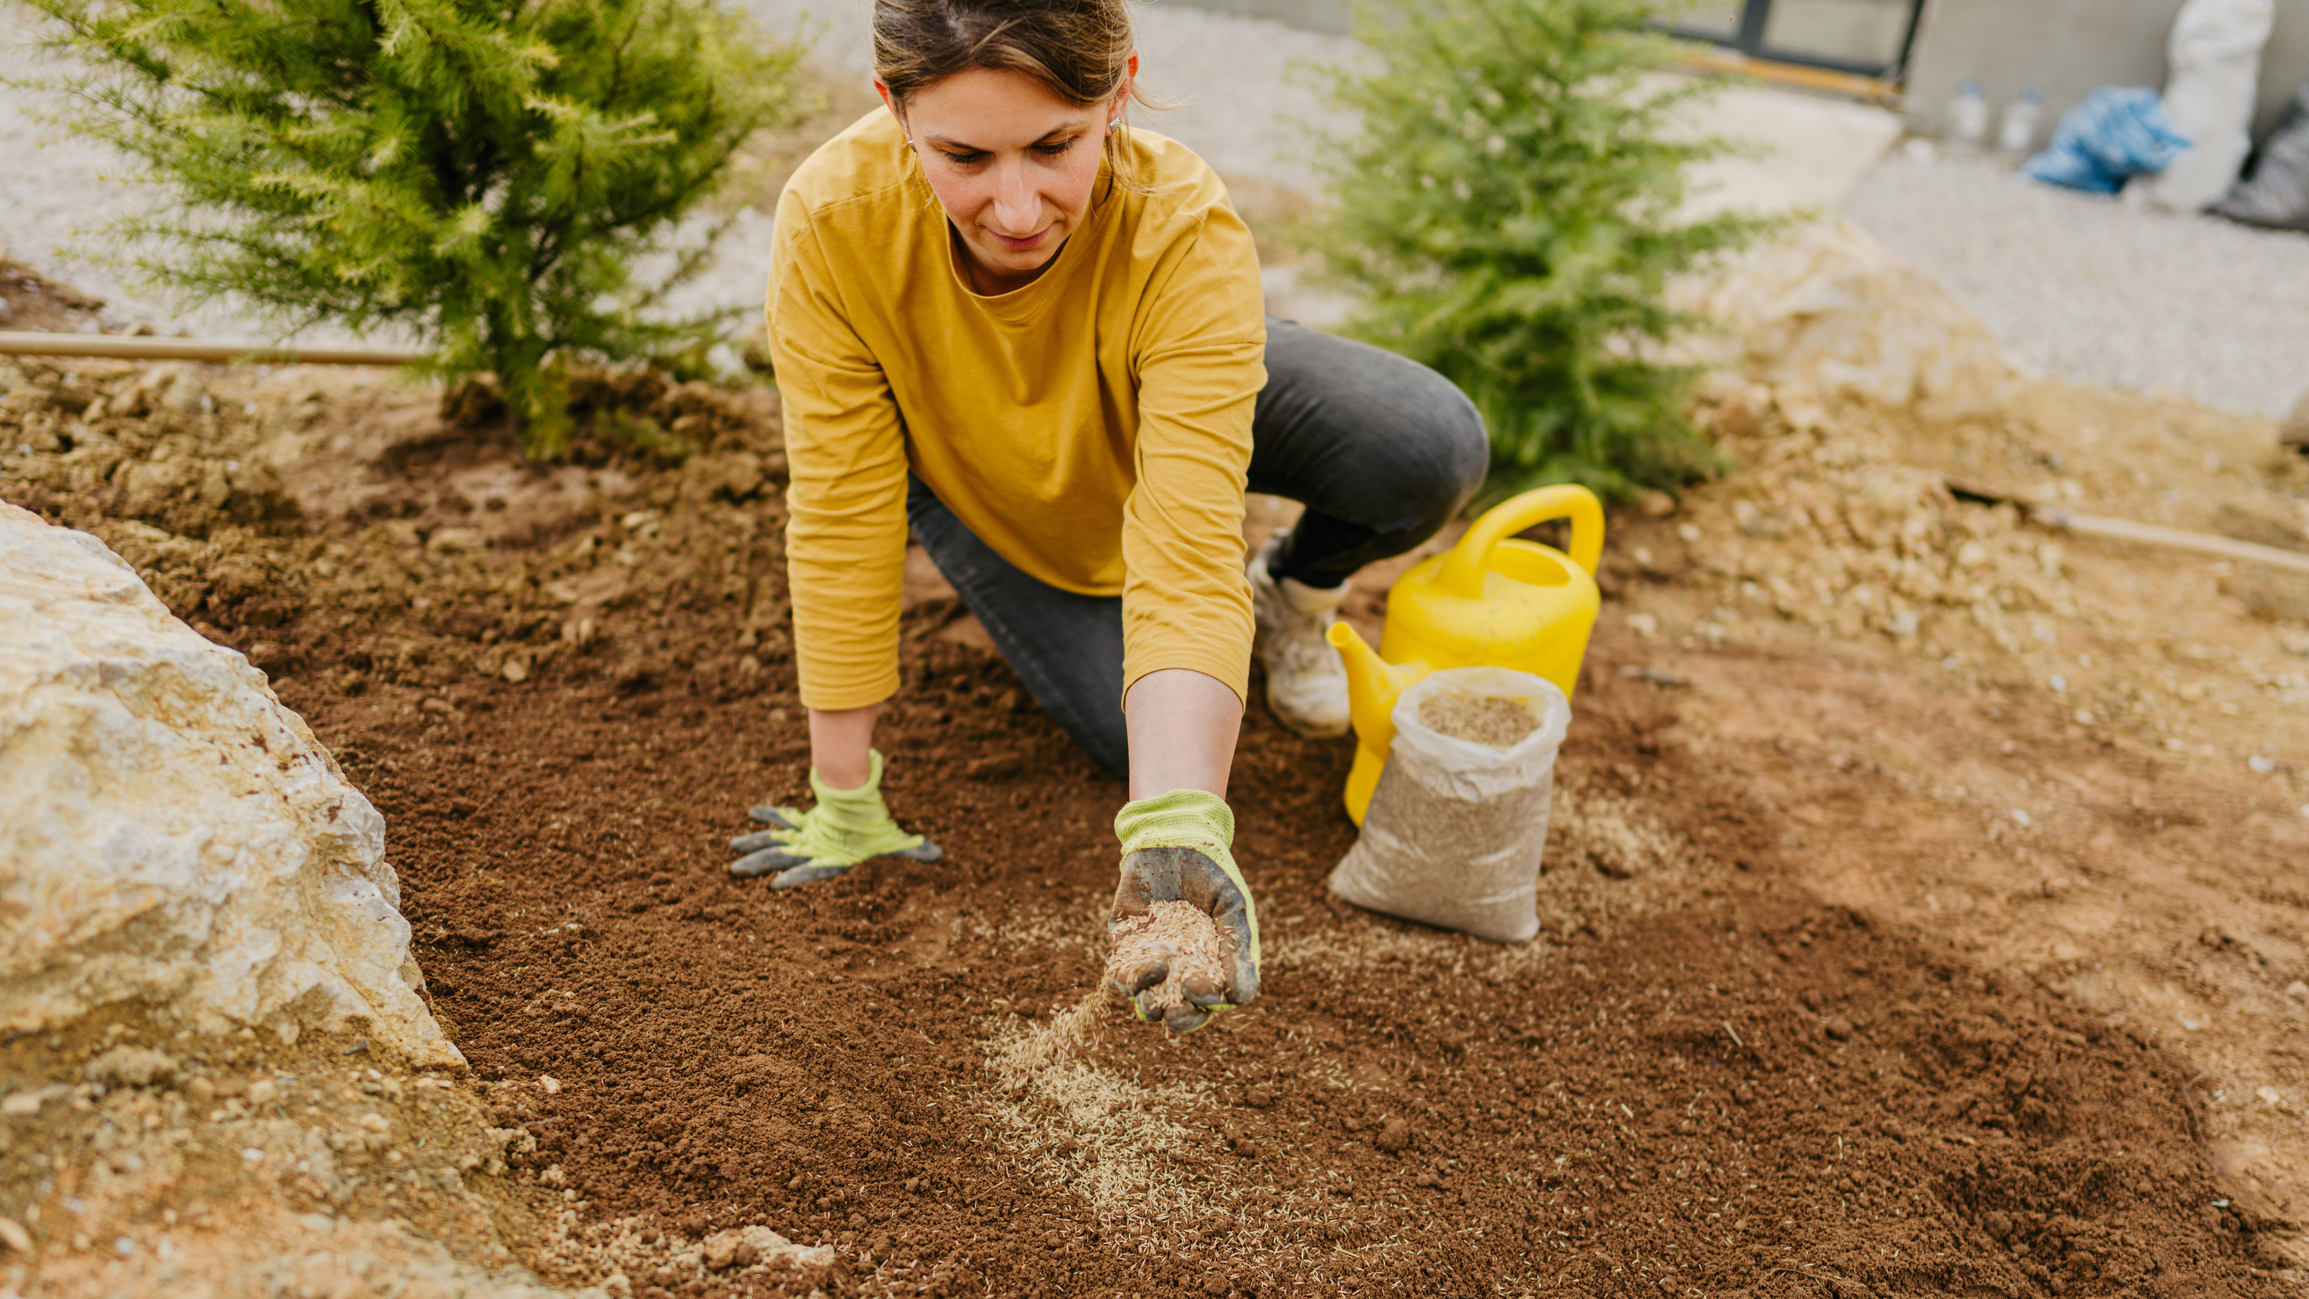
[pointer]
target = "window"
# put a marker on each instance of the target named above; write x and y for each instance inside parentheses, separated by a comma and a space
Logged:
(1870, 37)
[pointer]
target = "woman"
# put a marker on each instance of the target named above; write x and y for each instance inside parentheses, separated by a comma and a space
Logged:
(1036, 338)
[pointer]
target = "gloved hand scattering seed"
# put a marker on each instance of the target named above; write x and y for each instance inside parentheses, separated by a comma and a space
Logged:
(1479, 719)
(1178, 933)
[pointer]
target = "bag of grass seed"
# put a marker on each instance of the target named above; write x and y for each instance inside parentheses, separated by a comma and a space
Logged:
(1455, 828)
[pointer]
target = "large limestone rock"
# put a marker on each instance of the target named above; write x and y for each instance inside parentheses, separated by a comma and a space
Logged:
(170, 835)
(1825, 312)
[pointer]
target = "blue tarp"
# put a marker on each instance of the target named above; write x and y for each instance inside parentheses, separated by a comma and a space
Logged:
(2117, 133)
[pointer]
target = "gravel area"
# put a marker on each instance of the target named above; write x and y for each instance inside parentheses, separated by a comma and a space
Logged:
(62, 191)
(2096, 291)
(57, 189)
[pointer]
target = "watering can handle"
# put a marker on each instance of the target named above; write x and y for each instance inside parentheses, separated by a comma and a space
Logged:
(1463, 571)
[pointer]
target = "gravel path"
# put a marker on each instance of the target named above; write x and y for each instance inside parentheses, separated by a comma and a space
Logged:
(2092, 290)
(55, 186)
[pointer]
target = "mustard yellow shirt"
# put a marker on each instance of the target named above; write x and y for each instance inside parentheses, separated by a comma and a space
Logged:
(1093, 427)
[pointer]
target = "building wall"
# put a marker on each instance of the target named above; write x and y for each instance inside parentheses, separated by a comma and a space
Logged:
(2066, 48)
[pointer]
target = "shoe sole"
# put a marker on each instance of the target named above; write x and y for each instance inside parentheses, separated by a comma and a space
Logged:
(1255, 571)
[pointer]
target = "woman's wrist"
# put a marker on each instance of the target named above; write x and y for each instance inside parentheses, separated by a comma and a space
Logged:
(842, 745)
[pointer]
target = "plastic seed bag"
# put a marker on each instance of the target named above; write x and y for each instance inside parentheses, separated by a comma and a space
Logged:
(1457, 823)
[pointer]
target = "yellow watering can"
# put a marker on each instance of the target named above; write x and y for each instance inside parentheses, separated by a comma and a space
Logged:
(1493, 600)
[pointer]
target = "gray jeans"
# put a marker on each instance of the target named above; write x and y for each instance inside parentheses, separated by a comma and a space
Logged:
(1381, 450)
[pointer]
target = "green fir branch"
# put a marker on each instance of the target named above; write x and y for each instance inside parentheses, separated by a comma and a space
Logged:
(484, 175)
(1509, 215)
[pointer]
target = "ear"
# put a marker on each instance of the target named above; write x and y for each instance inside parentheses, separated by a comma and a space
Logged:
(1129, 79)
(882, 89)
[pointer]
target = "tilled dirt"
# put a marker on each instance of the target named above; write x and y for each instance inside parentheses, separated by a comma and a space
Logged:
(1701, 1078)
(1747, 1091)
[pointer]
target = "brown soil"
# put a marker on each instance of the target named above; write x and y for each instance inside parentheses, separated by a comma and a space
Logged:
(217, 1165)
(31, 301)
(1497, 723)
(1738, 1060)
(1178, 933)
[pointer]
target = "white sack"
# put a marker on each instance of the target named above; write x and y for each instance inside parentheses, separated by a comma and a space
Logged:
(1455, 829)
(2215, 69)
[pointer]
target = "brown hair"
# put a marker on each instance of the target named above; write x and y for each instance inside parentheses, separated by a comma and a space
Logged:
(1079, 48)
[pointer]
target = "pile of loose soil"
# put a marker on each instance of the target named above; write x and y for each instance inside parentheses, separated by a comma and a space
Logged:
(32, 301)
(1478, 719)
(1699, 1080)
(138, 1160)
(444, 554)
(1179, 934)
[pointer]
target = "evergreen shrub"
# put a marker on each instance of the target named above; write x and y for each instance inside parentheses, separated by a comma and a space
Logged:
(485, 174)
(1509, 216)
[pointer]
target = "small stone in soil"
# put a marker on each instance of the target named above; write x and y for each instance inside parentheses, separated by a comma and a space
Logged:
(1394, 1135)
(1479, 719)
(131, 1066)
(1178, 933)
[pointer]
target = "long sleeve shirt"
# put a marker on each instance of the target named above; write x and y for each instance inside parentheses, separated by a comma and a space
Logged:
(1093, 427)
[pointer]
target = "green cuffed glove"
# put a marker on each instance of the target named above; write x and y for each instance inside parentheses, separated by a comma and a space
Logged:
(1177, 846)
(846, 827)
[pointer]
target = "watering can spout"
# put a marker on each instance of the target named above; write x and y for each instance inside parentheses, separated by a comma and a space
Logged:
(1373, 685)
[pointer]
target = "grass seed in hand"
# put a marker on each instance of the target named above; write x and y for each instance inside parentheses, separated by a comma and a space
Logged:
(1177, 932)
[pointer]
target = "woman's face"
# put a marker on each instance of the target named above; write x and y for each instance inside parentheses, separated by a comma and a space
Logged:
(1011, 162)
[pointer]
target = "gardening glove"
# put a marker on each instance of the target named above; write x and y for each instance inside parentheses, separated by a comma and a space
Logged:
(1175, 847)
(846, 827)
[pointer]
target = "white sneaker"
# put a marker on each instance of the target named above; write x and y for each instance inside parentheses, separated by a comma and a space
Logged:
(1306, 679)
